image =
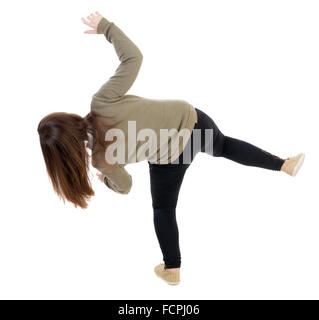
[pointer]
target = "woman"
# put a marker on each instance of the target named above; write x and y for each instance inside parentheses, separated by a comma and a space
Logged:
(64, 140)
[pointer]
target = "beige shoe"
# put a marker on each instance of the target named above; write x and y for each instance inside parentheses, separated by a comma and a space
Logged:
(293, 164)
(168, 276)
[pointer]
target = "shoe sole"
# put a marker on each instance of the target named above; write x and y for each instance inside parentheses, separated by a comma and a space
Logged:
(298, 165)
(171, 283)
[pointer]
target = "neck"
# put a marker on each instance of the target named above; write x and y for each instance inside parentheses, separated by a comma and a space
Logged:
(90, 141)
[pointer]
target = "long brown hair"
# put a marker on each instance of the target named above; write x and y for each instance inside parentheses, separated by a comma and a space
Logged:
(62, 139)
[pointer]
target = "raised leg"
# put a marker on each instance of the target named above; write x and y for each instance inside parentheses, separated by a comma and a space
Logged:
(217, 144)
(247, 154)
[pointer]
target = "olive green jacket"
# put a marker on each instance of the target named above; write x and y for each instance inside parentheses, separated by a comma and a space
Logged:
(118, 108)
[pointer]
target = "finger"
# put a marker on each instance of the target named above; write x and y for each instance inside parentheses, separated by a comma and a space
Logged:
(85, 22)
(90, 31)
(95, 18)
(98, 13)
(90, 18)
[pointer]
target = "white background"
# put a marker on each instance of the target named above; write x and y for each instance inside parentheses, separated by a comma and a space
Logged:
(245, 233)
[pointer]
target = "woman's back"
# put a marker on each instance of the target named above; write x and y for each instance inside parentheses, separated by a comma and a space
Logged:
(132, 113)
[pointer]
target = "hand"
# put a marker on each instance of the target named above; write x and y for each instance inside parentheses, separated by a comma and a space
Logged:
(100, 176)
(92, 21)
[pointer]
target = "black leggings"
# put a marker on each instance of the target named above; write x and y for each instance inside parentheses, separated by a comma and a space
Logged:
(166, 179)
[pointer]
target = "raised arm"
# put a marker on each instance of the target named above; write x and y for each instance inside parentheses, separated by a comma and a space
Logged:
(128, 53)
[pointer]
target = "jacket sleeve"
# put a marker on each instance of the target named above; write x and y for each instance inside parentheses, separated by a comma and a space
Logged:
(117, 179)
(130, 62)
